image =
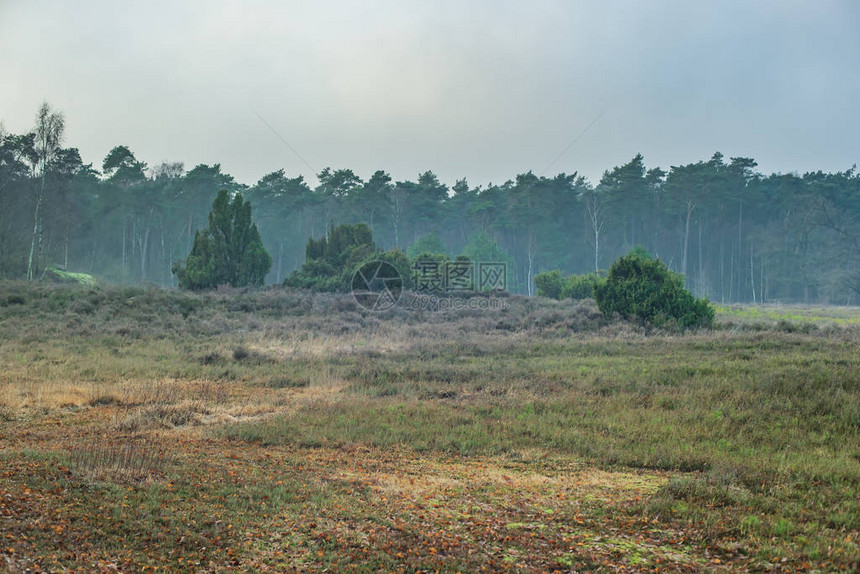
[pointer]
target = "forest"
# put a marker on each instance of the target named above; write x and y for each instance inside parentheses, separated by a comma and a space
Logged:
(735, 234)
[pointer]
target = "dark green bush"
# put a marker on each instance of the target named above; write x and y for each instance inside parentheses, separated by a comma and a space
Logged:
(581, 286)
(644, 289)
(401, 262)
(551, 284)
(430, 243)
(332, 261)
(228, 252)
(427, 270)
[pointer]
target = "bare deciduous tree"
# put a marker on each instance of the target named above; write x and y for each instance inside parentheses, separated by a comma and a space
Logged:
(49, 130)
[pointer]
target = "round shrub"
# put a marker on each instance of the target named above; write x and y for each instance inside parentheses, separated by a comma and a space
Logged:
(645, 290)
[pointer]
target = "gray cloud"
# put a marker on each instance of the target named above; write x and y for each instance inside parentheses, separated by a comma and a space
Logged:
(482, 90)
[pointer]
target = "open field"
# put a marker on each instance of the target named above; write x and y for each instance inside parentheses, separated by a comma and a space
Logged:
(800, 316)
(273, 430)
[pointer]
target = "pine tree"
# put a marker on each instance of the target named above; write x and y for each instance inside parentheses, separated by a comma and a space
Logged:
(228, 252)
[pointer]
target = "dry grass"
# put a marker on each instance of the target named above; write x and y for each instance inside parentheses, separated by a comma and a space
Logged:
(279, 430)
(123, 461)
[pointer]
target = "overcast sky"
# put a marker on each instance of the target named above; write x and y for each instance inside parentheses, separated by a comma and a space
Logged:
(482, 90)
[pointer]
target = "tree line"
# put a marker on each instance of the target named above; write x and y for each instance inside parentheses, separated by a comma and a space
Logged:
(735, 234)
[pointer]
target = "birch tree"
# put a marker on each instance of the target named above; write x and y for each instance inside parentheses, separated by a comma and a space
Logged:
(596, 219)
(49, 132)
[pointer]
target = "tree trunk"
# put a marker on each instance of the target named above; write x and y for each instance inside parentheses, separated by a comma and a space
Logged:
(144, 248)
(123, 244)
(397, 207)
(36, 216)
(690, 207)
(530, 256)
(752, 274)
(701, 263)
(732, 274)
(592, 207)
(163, 252)
(722, 280)
(740, 246)
(66, 249)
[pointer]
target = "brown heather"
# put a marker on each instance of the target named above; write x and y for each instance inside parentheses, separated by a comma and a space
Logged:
(281, 430)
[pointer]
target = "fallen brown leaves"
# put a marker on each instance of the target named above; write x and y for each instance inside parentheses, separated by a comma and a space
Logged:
(214, 505)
